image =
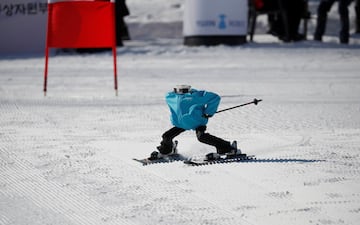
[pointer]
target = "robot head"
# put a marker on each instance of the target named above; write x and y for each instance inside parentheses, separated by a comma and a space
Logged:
(182, 89)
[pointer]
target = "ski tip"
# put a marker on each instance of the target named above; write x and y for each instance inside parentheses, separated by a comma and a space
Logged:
(142, 161)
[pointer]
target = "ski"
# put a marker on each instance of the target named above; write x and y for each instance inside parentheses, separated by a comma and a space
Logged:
(223, 159)
(165, 159)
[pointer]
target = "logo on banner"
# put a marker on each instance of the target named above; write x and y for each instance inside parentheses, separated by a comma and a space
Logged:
(222, 23)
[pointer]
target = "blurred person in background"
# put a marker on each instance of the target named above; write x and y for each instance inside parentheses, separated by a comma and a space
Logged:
(294, 11)
(121, 11)
(357, 18)
(343, 10)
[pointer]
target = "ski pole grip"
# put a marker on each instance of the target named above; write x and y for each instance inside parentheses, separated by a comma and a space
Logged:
(256, 101)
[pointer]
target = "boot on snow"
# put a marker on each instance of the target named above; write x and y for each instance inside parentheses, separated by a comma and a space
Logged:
(159, 155)
(234, 149)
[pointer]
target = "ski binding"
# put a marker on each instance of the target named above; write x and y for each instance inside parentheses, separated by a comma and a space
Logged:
(222, 159)
(164, 159)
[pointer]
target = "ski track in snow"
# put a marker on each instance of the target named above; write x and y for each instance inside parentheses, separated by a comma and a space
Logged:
(51, 199)
(143, 194)
(67, 158)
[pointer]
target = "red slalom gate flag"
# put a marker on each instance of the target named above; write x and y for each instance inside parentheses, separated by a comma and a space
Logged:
(81, 24)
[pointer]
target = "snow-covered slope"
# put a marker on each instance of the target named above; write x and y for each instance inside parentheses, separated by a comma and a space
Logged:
(67, 158)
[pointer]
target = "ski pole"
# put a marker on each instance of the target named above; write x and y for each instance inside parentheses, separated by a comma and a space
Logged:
(255, 101)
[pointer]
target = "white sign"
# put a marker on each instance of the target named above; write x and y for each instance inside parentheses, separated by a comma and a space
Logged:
(22, 26)
(215, 17)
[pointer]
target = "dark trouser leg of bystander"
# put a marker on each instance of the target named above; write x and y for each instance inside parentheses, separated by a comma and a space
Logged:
(323, 9)
(344, 21)
(357, 12)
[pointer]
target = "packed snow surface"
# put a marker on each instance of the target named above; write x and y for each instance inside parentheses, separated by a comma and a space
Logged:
(67, 158)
